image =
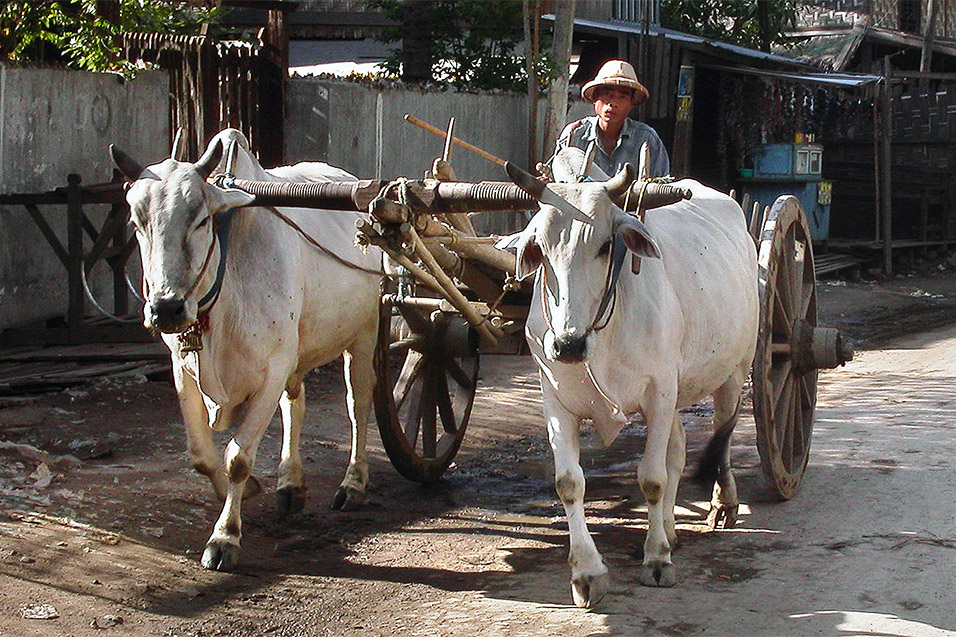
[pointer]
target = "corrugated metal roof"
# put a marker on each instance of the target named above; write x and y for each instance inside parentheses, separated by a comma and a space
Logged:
(720, 49)
(848, 80)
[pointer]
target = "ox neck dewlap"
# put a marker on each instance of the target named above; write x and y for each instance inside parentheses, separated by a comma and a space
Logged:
(608, 299)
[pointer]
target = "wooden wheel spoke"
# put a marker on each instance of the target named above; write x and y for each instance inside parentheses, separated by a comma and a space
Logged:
(781, 406)
(458, 374)
(805, 303)
(797, 431)
(429, 431)
(783, 421)
(411, 370)
(445, 408)
(416, 408)
(782, 321)
(779, 377)
(785, 273)
(798, 274)
(402, 346)
(807, 393)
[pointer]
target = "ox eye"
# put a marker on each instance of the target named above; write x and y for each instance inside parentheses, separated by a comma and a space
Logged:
(605, 248)
(205, 222)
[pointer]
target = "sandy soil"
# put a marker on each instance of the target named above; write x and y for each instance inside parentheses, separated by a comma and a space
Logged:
(102, 521)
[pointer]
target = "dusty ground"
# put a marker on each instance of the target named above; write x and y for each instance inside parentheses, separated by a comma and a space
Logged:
(102, 522)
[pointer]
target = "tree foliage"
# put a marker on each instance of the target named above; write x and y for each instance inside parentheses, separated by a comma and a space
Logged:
(74, 32)
(755, 25)
(471, 44)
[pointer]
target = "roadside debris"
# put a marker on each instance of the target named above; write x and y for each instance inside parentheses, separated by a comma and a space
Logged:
(39, 611)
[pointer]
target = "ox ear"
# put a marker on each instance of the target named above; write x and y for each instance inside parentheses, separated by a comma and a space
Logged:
(636, 236)
(210, 159)
(528, 257)
(525, 180)
(130, 168)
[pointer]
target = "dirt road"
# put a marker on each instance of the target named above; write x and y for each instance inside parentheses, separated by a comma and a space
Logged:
(109, 539)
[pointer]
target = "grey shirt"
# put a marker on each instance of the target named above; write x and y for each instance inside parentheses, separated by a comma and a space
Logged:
(628, 148)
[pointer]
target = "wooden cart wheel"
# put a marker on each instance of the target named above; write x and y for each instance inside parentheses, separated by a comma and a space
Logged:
(425, 387)
(784, 377)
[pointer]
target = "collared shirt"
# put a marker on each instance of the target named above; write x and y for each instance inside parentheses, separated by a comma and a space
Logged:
(628, 148)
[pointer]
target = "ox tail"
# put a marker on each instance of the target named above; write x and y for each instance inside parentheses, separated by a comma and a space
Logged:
(709, 467)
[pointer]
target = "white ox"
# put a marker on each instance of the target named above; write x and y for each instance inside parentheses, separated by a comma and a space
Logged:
(684, 328)
(283, 308)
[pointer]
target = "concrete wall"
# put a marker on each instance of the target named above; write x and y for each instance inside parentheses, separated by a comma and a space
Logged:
(361, 129)
(54, 122)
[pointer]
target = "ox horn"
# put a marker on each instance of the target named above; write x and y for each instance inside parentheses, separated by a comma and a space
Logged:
(618, 185)
(525, 180)
(179, 145)
(130, 168)
(210, 159)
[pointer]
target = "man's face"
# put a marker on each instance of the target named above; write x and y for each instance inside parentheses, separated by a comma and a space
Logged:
(612, 104)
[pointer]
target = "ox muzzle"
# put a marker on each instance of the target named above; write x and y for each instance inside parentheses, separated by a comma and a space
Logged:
(169, 315)
(568, 347)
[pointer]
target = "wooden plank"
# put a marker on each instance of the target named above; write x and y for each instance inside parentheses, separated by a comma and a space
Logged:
(85, 353)
(125, 333)
(48, 233)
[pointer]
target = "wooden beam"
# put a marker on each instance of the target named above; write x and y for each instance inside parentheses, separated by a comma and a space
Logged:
(74, 247)
(48, 233)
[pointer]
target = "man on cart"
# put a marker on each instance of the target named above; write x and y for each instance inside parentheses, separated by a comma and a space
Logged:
(618, 138)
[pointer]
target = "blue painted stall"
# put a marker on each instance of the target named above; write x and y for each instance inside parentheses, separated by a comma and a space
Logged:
(792, 169)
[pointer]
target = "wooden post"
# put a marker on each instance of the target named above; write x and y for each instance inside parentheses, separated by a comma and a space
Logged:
(208, 108)
(74, 248)
(561, 54)
(118, 262)
(532, 13)
(887, 167)
(929, 33)
(683, 126)
(877, 180)
(269, 140)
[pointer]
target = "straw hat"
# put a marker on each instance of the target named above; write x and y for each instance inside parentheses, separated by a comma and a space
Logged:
(616, 73)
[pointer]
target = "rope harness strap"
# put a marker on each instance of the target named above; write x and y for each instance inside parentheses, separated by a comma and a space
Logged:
(608, 299)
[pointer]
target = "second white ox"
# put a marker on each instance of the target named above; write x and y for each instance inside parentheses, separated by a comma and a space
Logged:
(277, 308)
(682, 329)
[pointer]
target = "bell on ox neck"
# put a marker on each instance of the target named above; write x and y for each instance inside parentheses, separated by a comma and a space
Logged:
(190, 341)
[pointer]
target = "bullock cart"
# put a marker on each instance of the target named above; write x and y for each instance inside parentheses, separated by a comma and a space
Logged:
(452, 296)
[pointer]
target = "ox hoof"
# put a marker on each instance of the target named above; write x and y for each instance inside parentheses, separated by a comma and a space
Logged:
(658, 573)
(588, 590)
(252, 488)
(220, 556)
(347, 499)
(290, 500)
(722, 516)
